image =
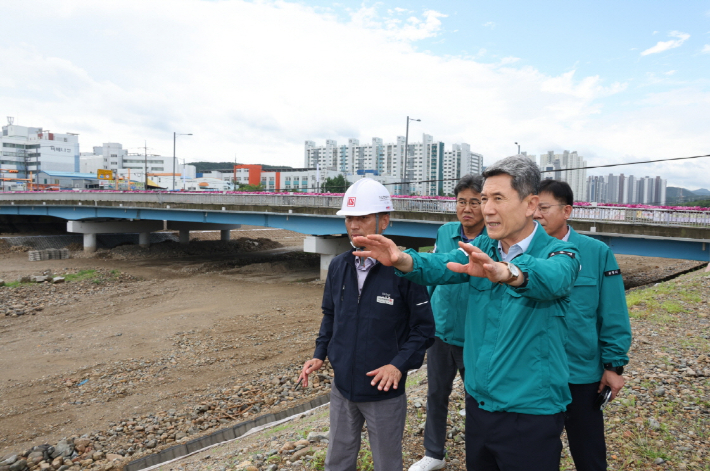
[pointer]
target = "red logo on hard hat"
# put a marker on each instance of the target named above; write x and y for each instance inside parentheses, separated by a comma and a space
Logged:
(351, 202)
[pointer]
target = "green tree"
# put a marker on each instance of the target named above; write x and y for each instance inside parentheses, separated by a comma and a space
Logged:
(335, 185)
(701, 203)
(251, 188)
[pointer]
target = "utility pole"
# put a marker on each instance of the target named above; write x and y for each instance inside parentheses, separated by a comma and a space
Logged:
(145, 165)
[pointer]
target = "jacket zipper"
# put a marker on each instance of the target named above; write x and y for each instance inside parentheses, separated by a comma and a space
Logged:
(357, 325)
(357, 328)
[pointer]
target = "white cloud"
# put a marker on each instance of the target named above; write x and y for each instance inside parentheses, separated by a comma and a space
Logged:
(257, 79)
(408, 29)
(662, 46)
(489, 24)
(706, 49)
(670, 72)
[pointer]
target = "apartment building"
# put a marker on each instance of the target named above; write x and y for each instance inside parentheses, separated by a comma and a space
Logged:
(423, 168)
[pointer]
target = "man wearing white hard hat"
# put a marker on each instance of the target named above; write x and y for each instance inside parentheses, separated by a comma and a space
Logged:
(376, 326)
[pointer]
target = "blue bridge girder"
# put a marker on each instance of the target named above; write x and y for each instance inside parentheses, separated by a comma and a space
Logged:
(648, 232)
(311, 224)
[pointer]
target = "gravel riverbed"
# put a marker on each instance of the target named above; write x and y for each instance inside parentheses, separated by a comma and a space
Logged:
(660, 421)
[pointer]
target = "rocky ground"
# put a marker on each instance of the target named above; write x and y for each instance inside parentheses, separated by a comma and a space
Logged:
(131, 354)
(661, 420)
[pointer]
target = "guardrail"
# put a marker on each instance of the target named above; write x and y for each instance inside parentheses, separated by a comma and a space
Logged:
(655, 216)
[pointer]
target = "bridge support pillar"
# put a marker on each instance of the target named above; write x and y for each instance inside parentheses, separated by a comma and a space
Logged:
(328, 248)
(89, 243)
(186, 226)
(91, 228)
(144, 239)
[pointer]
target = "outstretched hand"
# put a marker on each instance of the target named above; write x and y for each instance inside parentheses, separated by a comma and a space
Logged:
(480, 265)
(383, 250)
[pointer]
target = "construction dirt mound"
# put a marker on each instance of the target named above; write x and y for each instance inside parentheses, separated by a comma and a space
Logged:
(171, 249)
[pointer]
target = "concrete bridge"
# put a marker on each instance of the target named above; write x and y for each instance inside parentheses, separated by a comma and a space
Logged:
(649, 232)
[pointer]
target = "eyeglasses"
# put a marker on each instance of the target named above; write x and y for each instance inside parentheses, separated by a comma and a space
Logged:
(463, 203)
(545, 208)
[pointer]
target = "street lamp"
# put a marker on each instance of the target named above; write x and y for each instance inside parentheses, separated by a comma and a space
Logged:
(518, 147)
(409, 173)
(175, 135)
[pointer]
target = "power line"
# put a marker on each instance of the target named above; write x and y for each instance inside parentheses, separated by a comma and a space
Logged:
(567, 169)
(542, 171)
(629, 163)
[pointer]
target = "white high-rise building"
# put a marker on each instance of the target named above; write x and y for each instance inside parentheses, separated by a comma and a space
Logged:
(568, 167)
(459, 161)
(112, 156)
(30, 150)
(430, 169)
(626, 190)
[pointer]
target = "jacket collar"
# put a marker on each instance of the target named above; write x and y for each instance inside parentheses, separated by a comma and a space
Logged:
(574, 236)
(457, 233)
(539, 241)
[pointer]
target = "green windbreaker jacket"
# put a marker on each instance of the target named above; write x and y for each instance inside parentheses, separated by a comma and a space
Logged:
(514, 349)
(449, 302)
(598, 320)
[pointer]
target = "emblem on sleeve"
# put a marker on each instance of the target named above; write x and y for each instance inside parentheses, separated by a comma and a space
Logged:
(613, 272)
(562, 252)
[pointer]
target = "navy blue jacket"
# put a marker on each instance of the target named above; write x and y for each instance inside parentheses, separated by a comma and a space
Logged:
(390, 323)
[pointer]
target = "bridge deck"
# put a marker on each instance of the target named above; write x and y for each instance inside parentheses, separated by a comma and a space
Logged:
(627, 230)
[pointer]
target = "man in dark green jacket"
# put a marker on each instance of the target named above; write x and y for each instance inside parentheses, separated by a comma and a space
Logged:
(519, 279)
(449, 304)
(599, 329)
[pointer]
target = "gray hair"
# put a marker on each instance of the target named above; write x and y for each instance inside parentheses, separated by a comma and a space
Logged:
(469, 182)
(523, 170)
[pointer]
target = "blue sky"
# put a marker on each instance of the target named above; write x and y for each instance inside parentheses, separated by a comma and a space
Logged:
(616, 81)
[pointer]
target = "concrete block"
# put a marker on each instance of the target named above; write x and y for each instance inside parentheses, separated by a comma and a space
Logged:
(114, 227)
(240, 430)
(151, 460)
(192, 445)
(326, 245)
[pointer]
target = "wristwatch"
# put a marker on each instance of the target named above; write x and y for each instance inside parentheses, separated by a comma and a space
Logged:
(514, 273)
(616, 369)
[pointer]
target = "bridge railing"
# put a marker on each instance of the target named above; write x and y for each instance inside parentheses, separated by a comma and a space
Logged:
(656, 216)
(621, 215)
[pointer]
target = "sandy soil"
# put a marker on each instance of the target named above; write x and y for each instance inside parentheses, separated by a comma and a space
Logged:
(251, 317)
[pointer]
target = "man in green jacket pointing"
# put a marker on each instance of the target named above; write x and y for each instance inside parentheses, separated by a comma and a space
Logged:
(599, 329)
(449, 303)
(514, 349)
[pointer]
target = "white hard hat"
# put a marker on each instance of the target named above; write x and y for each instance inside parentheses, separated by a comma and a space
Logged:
(366, 196)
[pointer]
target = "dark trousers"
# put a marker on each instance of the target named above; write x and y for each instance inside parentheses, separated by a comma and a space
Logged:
(443, 361)
(509, 441)
(585, 428)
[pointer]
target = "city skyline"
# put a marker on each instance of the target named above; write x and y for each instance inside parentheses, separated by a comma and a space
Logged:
(254, 80)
